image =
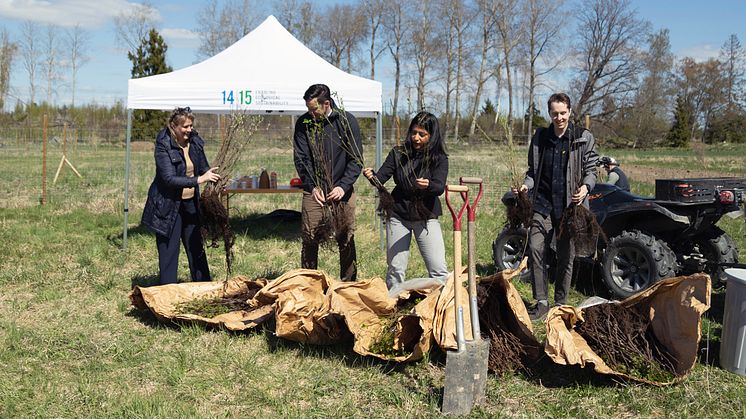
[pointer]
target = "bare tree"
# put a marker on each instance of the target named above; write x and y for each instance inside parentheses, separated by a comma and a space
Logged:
(8, 51)
(454, 37)
(733, 57)
(298, 19)
(487, 14)
(373, 11)
(510, 31)
(344, 30)
(132, 25)
(424, 48)
(396, 32)
(539, 17)
(609, 34)
(30, 52)
(703, 86)
(76, 40)
(50, 60)
(220, 28)
(655, 96)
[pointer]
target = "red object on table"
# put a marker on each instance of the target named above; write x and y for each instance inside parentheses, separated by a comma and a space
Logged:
(296, 182)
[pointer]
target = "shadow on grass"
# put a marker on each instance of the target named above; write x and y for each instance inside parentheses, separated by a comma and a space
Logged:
(341, 350)
(147, 318)
(144, 281)
(588, 280)
(712, 329)
(280, 224)
(548, 374)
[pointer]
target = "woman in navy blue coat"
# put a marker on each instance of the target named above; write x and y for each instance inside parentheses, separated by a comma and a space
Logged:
(172, 208)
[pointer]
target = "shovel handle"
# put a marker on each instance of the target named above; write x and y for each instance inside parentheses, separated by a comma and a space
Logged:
(472, 207)
(458, 309)
(464, 190)
(471, 224)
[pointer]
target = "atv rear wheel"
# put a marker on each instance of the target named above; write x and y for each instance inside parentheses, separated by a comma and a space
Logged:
(508, 250)
(716, 246)
(633, 261)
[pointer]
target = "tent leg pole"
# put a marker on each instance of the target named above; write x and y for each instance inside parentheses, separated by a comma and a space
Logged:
(379, 147)
(127, 178)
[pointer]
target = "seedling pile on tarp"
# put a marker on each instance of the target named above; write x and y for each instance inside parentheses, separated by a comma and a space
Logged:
(660, 327)
(505, 321)
(624, 339)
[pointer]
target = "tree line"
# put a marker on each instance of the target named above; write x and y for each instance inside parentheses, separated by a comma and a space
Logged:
(484, 66)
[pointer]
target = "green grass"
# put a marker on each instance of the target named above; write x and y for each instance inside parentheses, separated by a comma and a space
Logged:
(72, 346)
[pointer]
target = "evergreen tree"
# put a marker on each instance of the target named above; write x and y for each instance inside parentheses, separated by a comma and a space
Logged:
(149, 59)
(488, 108)
(537, 121)
(678, 135)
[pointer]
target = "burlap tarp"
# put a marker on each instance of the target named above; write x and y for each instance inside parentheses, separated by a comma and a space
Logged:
(163, 302)
(675, 307)
(371, 315)
(310, 307)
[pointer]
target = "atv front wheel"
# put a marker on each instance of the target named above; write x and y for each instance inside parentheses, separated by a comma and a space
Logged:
(508, 250)
(717, 247)
(633, 261)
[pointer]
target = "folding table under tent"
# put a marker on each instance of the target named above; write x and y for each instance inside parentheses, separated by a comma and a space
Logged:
(266, 71)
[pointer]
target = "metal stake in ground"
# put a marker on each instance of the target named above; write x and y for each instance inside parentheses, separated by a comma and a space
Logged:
(458, 391)
(481, 347)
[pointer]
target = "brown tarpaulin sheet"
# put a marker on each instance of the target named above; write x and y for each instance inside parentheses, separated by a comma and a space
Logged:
(162, 301)
(311, 307)
(675, 307)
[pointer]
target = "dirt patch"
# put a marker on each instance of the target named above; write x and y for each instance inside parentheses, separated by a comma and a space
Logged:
(647, 174)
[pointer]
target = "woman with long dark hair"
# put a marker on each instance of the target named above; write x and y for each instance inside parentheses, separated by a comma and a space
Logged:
(172, 208)
(419, 168)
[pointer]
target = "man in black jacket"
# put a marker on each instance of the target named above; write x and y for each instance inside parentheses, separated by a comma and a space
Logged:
(327, 151)
(561, 171)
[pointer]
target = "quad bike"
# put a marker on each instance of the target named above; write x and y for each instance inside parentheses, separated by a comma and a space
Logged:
(651, 238)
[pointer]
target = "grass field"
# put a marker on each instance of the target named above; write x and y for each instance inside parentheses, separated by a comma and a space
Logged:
(72, 346)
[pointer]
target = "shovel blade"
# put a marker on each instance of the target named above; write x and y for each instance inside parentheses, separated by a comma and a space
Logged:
(466, 378)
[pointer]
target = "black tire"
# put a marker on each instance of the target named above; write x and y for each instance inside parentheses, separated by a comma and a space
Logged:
(633, 261)
(717, 246)
(508, 250)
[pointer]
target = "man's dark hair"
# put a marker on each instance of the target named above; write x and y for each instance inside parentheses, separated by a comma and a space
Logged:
(559, 97)
(320, 92)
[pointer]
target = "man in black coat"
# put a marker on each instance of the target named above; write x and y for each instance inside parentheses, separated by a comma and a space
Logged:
(327, 152)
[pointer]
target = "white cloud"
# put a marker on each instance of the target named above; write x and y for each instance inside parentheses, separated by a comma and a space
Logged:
(180, 38)
(89, 14)
(700, 52)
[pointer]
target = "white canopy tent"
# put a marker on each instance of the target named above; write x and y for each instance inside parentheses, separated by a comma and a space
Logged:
(268, 70)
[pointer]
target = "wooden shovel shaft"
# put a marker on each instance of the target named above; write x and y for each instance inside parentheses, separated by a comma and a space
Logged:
(458, 309)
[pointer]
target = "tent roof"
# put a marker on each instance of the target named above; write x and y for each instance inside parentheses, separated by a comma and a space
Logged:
(268, 70)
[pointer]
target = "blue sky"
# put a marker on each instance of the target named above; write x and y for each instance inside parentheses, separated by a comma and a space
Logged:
(698, 29)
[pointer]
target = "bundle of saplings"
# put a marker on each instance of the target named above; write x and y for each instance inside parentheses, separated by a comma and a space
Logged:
(504, 321)
(651, 337)
(213, 215)
(624, 339)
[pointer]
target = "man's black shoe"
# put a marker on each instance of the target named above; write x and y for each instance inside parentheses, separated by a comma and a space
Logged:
(538, 311)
